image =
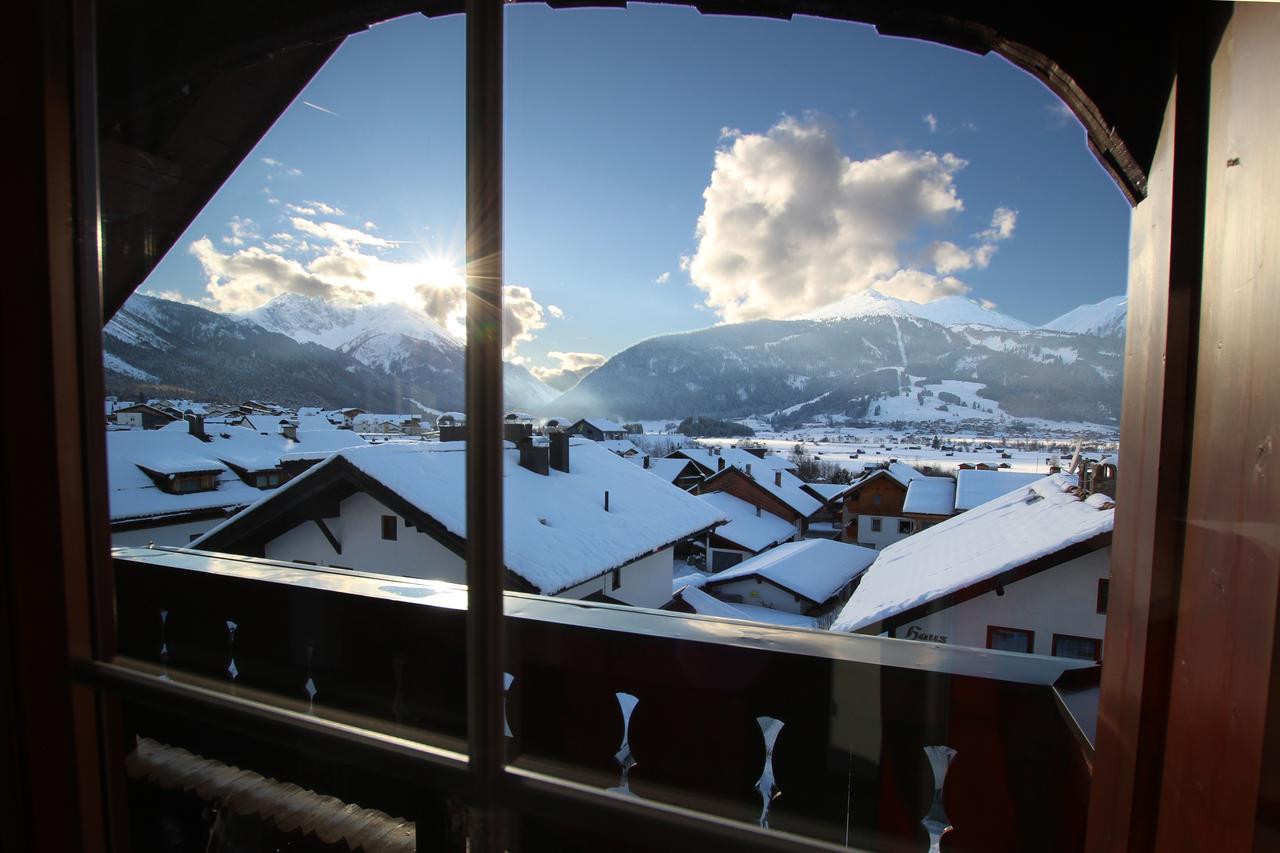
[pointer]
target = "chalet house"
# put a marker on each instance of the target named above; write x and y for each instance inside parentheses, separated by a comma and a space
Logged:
(772, 490)
(387, 424)
(622, 447)
(170, 485)
(1025, 572)
(712, 460)
(812, 577)
(829, 522)
(598, 429)
(930, 500)
(580, 522)
(678, 472)
(689, 598)
(750, 530)
(873, 507)
(143, 416)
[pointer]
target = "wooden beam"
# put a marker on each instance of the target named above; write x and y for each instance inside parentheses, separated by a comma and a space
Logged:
(328, 534)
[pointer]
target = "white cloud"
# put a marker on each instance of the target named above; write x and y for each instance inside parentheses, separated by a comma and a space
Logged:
(521, 317)
(931, 120)
(1003, 221)
(918, 286)
(662, 278)
(338, 234)
(568, 362)
(987, 304)
(946, 257)
(315, 208)
(1060, 114)
(556, 311)
(270, 161)
(790, 223)
(243, 229)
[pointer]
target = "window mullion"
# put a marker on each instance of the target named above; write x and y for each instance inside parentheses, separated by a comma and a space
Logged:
(484, 417)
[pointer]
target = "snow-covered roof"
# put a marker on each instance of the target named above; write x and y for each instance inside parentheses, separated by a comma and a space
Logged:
(974, 488)
(814, 568)
(667, 469)
(1010, 531)
(764, 471)
(830, 491)
(707, 605)
(620, 446)
(556, 531)
(745, 528)
(173, 450)
(604, 425)
(930, 496)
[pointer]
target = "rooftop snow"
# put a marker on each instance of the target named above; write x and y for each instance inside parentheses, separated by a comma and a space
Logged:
(1010, 531)
(814, 568)
(620, 446)
(707, 605)
(974, 488)
(745, 528)
(930, 496)
(830, 490)
(604, 426)
(667, 469)
(791, 492)
(556, 531)
(133, 494)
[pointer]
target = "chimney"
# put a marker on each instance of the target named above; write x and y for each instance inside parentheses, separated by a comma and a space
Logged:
(290, 431)
(777, 479)
(606, 500)
(646, 461)
(720, 464)
(195, 426)
(748, 469)
(533, 457)
(560, 451)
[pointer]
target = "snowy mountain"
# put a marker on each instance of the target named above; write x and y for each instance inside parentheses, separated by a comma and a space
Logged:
(851, 366)
(948, 311)
(299, 349)
(1105, 319)
(424, 359)
(157, 348)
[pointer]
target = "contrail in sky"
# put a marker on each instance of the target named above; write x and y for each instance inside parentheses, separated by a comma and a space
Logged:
(320, 108)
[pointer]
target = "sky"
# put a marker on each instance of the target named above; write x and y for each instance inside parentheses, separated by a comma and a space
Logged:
(665, 171)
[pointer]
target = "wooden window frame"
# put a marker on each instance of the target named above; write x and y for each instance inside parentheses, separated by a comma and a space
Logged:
(1031, 637)
(1053, 648)
(67, 631)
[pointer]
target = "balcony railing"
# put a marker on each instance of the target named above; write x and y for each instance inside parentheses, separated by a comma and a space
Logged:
(849, 739)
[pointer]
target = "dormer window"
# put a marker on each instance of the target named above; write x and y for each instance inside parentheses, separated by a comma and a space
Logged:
(181, 484)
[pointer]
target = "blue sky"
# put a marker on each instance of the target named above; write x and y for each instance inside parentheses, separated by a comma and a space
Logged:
(846, 159)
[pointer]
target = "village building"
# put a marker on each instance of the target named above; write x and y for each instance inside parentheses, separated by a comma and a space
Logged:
(387, 424)
(828, 523)
(143, 416)
(929, 500)
(772, 490)
(579, 521)
(168, 486)
(598, 429)
(678, 472)
(1025, 572)
(750, 530)
(689, 598)
(812, 577)
(873, 507)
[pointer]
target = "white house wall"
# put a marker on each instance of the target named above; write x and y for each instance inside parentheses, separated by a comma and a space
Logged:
(645, 583)
(1061, 600)
(887, 535)
(174, 535)
(764, 594)
(358, 528)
